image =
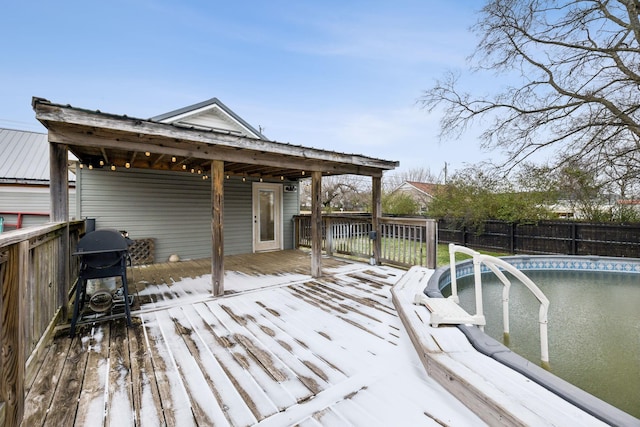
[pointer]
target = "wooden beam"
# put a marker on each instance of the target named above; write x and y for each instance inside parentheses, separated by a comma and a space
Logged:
(59, 193)
(59, 182)
(217, 235)
(376, 213)
(50, 114)
(316, 224)
(197, 150)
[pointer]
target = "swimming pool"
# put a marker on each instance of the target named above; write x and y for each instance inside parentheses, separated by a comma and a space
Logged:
(575, 308)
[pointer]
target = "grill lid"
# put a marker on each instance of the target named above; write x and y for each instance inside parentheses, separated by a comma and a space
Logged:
(100, 241)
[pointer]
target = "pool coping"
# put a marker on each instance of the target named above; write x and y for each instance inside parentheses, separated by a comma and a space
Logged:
(496, 350)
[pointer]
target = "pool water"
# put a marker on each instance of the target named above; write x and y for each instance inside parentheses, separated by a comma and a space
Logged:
(594, 327)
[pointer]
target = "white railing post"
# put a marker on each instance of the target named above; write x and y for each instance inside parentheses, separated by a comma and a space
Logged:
(452, 269)
(328, 242)
(477, 276)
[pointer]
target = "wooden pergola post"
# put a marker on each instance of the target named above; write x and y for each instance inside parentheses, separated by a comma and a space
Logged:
(59, 193)
(217, 235)
(376, 213)
(59, 182)
(316, 224)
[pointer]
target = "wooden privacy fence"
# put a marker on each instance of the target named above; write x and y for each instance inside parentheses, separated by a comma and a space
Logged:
(546, 237)
(403, 241)
(35, 276)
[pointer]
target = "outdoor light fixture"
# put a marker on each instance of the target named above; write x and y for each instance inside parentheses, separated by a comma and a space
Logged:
(173, 159)
(184, 167)
(244, 178)
(101, 162)
(227, 176)
(281, 177)
(81, 166)
(113, 167)
(127, 165)
(90, 166)
(303, 172)
(146, 153)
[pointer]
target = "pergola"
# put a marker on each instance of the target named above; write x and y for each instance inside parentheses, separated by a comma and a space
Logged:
(112, 140)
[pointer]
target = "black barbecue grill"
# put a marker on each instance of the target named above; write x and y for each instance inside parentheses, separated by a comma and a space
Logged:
(103, 254)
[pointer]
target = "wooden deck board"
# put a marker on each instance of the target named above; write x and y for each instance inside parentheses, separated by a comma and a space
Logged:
(307, 352)
(42, 391)
(145, 394)
(69, 387)
(96, 375)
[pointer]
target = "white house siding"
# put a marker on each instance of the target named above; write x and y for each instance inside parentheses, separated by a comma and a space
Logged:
(30, 199)
(174, 208)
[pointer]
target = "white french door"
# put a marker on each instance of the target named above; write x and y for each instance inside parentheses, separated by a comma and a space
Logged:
(267, 217)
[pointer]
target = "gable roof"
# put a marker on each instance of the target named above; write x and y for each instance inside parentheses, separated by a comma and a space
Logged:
(424, 187)
(25, 157)
(211, 114)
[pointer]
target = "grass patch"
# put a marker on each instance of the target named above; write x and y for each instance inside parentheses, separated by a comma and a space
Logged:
(443, 255)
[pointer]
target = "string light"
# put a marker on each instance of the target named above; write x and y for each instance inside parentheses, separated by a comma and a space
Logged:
(81, 166)
(303, 172)
(173, 159)
(90, 166)
(281, 177)
(184, 167)
(146, 153)
(127, 165)
(101, 162)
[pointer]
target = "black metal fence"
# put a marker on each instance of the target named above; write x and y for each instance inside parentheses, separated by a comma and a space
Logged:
(546, 237)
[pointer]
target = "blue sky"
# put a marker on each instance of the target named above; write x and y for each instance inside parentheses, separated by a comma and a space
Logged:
(338, 75)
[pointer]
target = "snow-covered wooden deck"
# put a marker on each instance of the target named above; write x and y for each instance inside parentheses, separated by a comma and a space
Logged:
(278, 349)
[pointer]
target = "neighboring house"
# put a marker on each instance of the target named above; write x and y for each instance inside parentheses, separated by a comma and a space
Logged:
(24, 179)
(421, 192)
(173, 208)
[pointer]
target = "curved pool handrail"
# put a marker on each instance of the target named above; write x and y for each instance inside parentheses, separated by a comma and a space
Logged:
(489, 260)
(453, 248)
(495, 264)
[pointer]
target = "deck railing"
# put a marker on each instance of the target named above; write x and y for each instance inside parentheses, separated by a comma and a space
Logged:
(403, 241)
(34, 281)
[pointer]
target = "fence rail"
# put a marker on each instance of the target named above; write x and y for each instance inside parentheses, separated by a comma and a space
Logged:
(546, 237)
(403, 241)
(35, 281)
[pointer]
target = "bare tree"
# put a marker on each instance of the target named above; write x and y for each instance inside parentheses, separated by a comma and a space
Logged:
(578, 91)
(393, 181)
(341, 192)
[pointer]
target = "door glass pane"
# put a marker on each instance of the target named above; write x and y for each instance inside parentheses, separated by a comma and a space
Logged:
(267, 220)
